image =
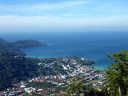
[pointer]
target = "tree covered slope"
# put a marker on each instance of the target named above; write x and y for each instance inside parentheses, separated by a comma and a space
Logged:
(17, 45)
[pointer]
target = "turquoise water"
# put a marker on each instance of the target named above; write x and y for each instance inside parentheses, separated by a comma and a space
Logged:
(99, 78)
(93, 45)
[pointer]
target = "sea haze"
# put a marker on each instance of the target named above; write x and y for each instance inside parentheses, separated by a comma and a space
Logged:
(89, 45)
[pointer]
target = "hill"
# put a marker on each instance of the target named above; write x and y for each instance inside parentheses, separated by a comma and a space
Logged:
(14, 67)
(17, 45)
(27, 43)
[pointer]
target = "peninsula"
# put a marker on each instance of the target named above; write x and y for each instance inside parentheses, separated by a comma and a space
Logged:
(17, 45)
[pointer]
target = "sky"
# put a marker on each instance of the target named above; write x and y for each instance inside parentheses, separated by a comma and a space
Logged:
(63, 15)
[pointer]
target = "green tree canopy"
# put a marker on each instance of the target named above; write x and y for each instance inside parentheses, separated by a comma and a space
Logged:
(117, 74)
(76, 87)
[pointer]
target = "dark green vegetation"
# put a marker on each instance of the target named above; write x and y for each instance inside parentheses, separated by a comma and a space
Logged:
(44, 85)
(11, 67)
(7, 46)
(117, 76)
(17, 45)
(26, 43)
(14, 67)
(60, 88)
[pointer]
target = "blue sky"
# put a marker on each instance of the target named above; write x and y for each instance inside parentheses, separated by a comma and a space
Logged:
(63, 15)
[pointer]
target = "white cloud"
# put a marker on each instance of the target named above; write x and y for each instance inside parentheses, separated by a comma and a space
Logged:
(30, 23)
(22, 20)
(42, 6)
(80, 14)
(48, 6)
(74, 15)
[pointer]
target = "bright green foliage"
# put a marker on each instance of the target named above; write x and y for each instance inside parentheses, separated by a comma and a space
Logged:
(76, 87)
(117, 74)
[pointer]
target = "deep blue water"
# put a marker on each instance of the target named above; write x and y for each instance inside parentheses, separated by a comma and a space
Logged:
(90, 45)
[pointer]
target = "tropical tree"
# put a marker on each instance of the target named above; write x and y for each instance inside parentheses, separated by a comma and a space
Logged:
(117, 74)
(76, 87)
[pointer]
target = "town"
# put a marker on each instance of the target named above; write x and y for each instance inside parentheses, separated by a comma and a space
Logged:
(57, 84)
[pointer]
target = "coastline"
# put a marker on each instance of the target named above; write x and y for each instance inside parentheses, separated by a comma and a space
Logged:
(103, 67)
(96, 66)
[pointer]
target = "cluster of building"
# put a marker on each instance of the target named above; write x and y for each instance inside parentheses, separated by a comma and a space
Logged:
(71, 66)
(89, 74)
(20, 88)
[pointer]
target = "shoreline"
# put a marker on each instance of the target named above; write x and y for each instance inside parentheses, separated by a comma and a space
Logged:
(96, 66)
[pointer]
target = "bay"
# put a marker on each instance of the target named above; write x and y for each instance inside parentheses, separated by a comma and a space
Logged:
(89, 45)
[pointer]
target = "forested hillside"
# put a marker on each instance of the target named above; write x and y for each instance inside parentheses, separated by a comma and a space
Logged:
(14, 67)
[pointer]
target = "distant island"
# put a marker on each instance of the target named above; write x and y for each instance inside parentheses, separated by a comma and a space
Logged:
(17, 45)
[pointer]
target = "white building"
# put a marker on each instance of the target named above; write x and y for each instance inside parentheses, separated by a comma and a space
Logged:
(29, 90)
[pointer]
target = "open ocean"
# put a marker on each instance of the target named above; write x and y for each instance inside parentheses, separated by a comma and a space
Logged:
(89, 45)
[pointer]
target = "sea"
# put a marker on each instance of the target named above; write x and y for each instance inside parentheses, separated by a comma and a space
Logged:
(89, 45)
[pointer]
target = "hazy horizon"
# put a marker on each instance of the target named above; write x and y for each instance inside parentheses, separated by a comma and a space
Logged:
(61, 16)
